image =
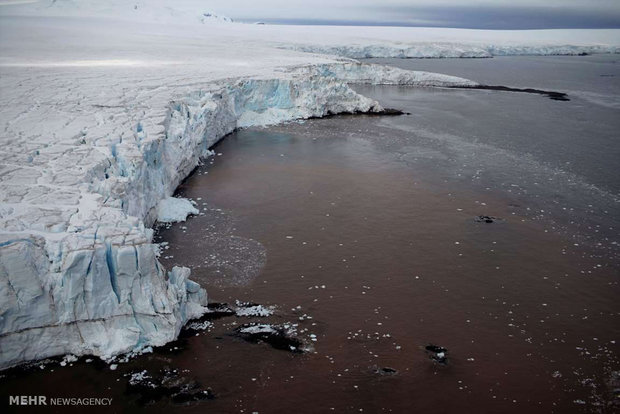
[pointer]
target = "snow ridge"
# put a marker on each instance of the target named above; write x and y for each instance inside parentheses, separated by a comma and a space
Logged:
(78, 271)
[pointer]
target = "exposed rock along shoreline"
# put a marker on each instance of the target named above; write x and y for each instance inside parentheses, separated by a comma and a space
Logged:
(553, 95)
(82, 277)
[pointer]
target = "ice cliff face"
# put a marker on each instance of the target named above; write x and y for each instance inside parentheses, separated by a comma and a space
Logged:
(449, 50)
(354, 72)
(78, 271)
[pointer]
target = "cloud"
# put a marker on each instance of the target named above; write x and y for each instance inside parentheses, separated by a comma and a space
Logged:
(483, 14)
(12, 2)
(505, 17)
(495, 14)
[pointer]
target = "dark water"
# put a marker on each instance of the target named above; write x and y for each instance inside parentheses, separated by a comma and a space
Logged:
(367, 225)
(580, 137)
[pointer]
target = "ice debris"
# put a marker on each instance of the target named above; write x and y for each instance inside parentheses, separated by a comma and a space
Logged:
(173, 210)
(169, 383)
(253, 309)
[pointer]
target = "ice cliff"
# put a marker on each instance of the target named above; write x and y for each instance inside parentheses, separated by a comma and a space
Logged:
(449, 50)
(78, 271)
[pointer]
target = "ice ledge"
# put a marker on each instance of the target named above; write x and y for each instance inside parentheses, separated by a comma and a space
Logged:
(449, 50)
(78, 272)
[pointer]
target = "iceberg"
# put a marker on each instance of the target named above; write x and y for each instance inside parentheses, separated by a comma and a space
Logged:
(174, 210)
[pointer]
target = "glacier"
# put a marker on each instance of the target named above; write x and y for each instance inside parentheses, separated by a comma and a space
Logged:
(98, 134)
(450, 50)
(424, 42)
(79, 272)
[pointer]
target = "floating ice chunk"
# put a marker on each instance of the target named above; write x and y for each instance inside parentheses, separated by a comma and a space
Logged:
(68, 359)
(140, 377)
(199, 326)
(259, 328)
(172, 209)
(256, 310)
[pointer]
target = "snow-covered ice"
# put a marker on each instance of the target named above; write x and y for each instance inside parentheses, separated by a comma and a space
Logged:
(103, 117)
(199, 326)
(423, 42)
(173, 210)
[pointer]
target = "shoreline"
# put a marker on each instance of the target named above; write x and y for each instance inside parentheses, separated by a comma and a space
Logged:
(192, 126)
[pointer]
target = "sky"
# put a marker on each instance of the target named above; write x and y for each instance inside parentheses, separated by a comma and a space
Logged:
(478, 14)
(483, 14)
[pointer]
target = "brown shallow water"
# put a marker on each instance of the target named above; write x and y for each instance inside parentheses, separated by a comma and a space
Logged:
(525, 329)
(382, 251)
(404, 264)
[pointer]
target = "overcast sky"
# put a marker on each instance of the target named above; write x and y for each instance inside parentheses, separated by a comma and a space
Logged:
(505, 14)
(481, 14)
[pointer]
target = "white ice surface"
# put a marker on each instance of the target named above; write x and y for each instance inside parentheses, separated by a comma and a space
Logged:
(101, 119)
(255, 310)
(174, 210)
(258, 328)
(423, 42)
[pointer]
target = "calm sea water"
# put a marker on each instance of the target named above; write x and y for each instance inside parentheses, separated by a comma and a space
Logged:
(367, 225)
(579, 137)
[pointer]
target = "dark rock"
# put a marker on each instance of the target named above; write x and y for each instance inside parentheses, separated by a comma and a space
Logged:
(486, 219)
(556, 96)
(374, 111)
(217, 310)
(385, 371)
(437, 353)
(435, 348)
(246, 304)
(277, 336)
(389, 112)
(170, 384)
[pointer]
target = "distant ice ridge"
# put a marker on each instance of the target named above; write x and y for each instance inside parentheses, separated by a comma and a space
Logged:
(448, 50)
(210, 16)
(78, 271)
(164, 11)
(372, 74)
